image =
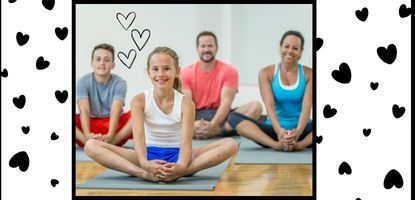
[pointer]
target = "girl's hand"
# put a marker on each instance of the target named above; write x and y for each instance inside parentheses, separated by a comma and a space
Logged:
(153, 166)
(171, 171)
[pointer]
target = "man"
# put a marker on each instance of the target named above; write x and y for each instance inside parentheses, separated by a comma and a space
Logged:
(100, 98)
(212, 84)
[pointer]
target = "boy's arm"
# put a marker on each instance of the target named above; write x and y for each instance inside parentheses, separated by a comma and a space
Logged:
(84, 109)
(115, 114)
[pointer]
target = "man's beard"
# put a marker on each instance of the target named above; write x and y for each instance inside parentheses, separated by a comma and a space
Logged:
(207, 61)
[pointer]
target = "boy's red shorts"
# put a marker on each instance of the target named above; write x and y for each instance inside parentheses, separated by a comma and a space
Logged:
(101, 125)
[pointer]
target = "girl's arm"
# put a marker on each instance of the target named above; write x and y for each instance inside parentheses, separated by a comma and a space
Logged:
(188, 119)
(137, 119)
(265, 79)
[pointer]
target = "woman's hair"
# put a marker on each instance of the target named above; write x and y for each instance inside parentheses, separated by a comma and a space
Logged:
(166, 50)
(295, 33)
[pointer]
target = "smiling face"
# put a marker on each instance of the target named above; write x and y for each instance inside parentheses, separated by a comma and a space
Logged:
(290, 49)
(207, 48)
(102, 62)
(162, 70)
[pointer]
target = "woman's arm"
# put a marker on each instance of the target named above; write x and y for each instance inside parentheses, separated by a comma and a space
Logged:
(307, 102)
(265, 79)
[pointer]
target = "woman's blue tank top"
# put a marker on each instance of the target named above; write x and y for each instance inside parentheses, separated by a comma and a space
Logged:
(288, 99)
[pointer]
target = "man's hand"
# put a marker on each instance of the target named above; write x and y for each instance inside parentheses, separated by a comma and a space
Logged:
(206, 130)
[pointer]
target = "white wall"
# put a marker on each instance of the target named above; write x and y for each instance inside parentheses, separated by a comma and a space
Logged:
(248, 36)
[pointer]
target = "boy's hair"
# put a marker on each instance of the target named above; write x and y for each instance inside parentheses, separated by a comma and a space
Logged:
(103, 46)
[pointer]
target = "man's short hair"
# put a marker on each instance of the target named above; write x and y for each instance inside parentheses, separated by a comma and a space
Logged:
(206, 33)
(104, 46)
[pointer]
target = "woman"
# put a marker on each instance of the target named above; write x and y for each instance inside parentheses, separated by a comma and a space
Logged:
(162, 124)
(286, 89)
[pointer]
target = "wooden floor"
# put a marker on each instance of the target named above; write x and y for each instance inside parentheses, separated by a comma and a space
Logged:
(255, 180)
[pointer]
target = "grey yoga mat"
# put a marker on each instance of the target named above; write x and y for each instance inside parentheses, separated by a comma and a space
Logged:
(252, 153)
(82, 157)
(111, 179)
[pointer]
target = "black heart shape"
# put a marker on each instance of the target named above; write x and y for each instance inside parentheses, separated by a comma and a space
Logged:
(48, 4)
(41, 63)
(319, 139)
(319, 43)
(393, 178)
(22, 39)
(54, 136)
(374, 85)
(4, 73)
(387, 55)
(20, 160)
(366, 132)
(61, 33)
(345, 168)
(25, 129)
(343, 75)
(61, 96)
(328, 111)
(12, 1)
(362, 14)
(19, 102)
(398, 111)
(54, 182)
(404, 11)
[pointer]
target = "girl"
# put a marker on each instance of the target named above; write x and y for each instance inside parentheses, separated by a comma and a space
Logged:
(162, 123)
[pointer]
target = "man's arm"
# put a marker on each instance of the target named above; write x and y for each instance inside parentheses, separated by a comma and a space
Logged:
(226, 98)
(212, 128)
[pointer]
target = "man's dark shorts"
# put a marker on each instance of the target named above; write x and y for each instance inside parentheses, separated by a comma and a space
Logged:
(208, 114)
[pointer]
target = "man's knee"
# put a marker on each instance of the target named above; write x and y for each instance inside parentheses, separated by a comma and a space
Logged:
(234, 118)
(256, 109)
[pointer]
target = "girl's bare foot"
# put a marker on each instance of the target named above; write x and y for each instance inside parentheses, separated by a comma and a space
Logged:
(149, 177)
